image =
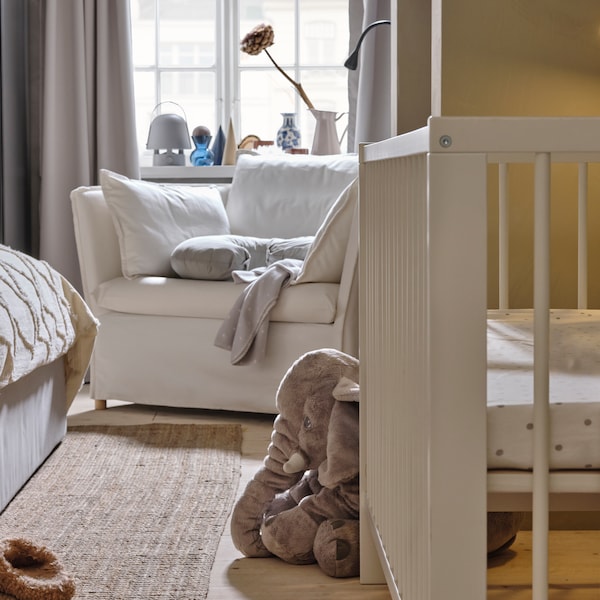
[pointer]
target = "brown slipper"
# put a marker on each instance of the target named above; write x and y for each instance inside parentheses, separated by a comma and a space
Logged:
(32, 572)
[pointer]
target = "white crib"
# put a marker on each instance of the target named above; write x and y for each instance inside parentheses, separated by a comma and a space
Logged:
(425, 485)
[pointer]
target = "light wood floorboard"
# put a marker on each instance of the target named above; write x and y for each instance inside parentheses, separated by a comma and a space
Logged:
(574, 555)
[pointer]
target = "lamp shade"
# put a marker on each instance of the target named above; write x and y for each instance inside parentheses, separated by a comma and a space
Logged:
(168, 132)
(352, 61)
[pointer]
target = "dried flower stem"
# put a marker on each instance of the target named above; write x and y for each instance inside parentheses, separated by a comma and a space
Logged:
(297, 85)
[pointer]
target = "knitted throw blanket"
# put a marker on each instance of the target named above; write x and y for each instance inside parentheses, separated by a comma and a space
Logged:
(42, 317)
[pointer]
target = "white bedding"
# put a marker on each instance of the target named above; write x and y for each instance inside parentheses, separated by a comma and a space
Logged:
(42, 317)
(574, 389)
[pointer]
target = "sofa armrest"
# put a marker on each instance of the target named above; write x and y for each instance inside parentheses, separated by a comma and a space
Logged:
(96, 240)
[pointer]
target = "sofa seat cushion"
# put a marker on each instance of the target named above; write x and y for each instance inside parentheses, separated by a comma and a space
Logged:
(164, 296)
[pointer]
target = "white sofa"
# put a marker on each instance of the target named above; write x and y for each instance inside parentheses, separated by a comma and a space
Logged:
(156, 338)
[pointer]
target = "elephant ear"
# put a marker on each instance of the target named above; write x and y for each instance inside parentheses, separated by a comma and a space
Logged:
(342, 459)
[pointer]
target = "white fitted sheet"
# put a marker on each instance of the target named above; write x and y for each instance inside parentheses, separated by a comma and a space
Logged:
(574, 389)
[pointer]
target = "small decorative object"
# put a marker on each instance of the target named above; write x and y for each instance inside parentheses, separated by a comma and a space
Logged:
(288, 135)
(326, 139)
(168, 132)
(202, 156)
(218, 146)
(230, 146)
(249, 142)
(259, 39)
(263, 144)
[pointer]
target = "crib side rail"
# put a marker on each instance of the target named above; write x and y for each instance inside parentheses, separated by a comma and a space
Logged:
(570, 490)
(422, 299)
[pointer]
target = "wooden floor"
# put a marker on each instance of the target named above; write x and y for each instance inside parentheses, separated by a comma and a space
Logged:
(574, 555)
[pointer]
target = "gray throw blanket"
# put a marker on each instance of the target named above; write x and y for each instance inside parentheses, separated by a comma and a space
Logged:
(244, 331)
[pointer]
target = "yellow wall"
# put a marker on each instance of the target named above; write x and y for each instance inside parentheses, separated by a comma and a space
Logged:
(529, 58)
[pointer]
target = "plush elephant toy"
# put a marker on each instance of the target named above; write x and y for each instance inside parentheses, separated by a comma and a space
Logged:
(303, 503)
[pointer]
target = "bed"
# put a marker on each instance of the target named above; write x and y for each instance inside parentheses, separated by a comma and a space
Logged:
(46, 338)
(435, 455)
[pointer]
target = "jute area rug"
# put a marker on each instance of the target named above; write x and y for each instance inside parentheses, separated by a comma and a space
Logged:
(133, 512)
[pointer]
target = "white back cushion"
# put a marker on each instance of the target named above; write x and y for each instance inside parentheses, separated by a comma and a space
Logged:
(324, 262)
(286, 195)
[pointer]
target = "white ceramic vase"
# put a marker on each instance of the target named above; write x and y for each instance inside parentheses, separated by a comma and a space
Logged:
(326, 139)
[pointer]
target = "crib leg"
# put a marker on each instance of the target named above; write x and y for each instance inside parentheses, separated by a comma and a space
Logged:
(100, 404)
(371, 559)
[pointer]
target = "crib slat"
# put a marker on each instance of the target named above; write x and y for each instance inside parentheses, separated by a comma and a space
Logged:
(503, 240)
(582, 292)
(541, 374)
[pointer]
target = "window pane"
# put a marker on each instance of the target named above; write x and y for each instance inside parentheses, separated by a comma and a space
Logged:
(145, 101)
(327, 89)
(324, 33)
(187, 33)
(195, 92)
(265, 95)
(143, 22)
(186, 10)
(280, 15)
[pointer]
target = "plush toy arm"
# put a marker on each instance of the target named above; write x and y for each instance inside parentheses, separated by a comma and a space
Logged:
(308, 485)
(340, 502)
(290, 535)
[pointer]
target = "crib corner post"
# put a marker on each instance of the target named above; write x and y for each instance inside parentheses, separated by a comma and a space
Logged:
(458, 372)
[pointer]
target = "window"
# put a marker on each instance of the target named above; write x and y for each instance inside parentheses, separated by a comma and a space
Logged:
(187, 52)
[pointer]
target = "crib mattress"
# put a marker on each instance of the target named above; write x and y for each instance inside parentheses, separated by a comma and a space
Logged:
(574, 389)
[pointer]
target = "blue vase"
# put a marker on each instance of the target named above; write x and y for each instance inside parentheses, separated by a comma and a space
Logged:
(288, 135)
(202, 156)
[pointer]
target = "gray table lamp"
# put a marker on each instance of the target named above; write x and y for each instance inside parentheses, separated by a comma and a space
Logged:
(168, 132)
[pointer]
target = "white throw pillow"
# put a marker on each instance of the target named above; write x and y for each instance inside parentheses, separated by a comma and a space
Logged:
(152, 219)
(286, 195)
(325, 260)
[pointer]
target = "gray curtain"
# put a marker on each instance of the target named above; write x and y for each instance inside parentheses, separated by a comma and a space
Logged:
(369, 87)
(15, 208)
(87, 113)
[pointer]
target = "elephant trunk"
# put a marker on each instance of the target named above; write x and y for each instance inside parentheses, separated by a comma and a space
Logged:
(296, 463)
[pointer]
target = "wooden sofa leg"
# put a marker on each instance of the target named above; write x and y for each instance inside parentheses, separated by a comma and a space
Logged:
(100, 404)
